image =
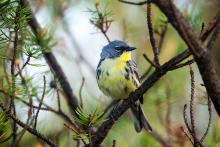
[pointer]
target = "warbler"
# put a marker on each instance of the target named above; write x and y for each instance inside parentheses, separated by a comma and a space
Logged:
(117, 77)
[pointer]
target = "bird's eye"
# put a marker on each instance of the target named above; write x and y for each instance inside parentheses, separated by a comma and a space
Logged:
(118, 48)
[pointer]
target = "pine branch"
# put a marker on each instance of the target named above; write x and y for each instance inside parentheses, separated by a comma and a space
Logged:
(54, 65)
(29, 129)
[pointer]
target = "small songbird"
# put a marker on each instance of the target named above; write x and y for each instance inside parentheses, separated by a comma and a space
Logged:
(117, 77)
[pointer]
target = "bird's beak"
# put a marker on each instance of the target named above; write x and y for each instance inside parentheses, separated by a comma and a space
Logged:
(130, 48)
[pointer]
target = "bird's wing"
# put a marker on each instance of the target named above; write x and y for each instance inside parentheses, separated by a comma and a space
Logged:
(134, 72)
(133, 69)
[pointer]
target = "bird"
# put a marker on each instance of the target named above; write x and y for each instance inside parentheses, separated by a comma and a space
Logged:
(117, 77)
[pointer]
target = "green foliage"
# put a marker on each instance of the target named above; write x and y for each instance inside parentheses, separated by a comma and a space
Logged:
(13, 19)
(195, 17)
(24, 89)
(160, 21)
(101, 18)
(34, 46)
(4, 127)
(89, 119)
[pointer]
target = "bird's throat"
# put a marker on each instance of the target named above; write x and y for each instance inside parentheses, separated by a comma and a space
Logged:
(126, 56)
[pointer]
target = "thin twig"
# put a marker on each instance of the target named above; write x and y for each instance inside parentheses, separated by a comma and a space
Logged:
(13, 78)
(80, 93)
(182, 64)
(134, 3)
(76, 132)
(48, 108)
(41, 102)
(58, 100)
(215, 34)
(146, 72)
(149, 61)
(113, 103)
(202, 28)
(200, 53)
(24, 65)
(209, 28)
(192, 97)
(29, 129)
(151, 34)
(210, 120)
(28, 120)
(103, 25)
(187, 135)
(185, 119)
(114, 143)
(161, 40)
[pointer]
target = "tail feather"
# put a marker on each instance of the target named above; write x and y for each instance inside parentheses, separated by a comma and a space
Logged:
(140, 120)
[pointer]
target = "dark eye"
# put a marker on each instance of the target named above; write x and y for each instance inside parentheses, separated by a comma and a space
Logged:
(118, 48)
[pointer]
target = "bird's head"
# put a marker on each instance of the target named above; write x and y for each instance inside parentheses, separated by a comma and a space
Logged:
(116, 49)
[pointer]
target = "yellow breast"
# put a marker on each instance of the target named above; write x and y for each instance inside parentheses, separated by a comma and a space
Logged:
(114, 79)
(120, 62)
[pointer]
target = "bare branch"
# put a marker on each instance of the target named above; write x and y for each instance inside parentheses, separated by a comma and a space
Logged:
(149, 61)
(114, 143)
(23, 66)
(185, 118)
(80, 92)
(151, 34)
(210, 120)
(12, 107)
(201, 54)
(189, 62)
(192, 115)
(29, 129)
(215, 34)
(133, 3)
(41, 102)
(187, 135)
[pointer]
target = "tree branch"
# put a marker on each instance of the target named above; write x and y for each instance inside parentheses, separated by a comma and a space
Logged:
(151, 34)
(201, 55)
(54, 65)
(29, 129)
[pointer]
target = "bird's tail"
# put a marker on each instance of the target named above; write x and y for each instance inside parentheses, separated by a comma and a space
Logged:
(140, 121)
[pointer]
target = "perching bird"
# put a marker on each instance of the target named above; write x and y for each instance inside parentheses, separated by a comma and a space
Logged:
(117, 77)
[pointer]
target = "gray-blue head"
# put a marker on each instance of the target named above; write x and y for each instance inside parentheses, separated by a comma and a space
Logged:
(115, 49)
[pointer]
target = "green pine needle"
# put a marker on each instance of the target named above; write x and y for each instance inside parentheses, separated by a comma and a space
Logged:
(4, 127)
